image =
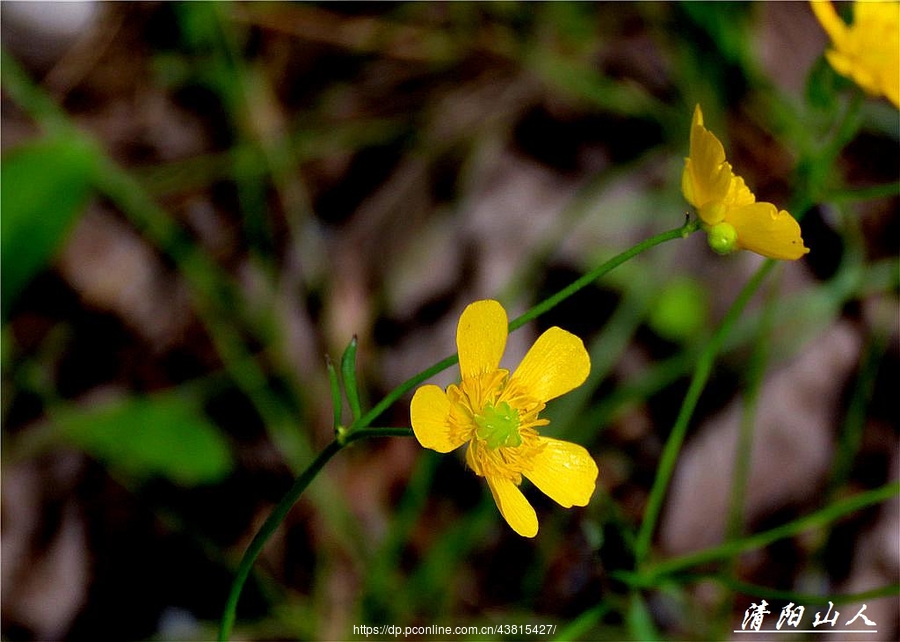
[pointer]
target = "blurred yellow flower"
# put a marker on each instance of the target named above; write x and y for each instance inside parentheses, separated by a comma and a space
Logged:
(867, 51)
(497, 414)
(728, 209)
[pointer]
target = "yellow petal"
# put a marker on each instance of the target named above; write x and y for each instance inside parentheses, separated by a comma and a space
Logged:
(481, 337)
(738, 192)
(875, 42)
(706, 176)
(875, 15)
(761, 228)
(854, 69)
(515, 509)
(687, 183)
(565, 472)
(865, 50)
(555, 364)
(428, 413)
(830, 21)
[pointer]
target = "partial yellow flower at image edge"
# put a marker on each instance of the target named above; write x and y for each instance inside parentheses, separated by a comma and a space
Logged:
(728, 210)
(867, 51)
(497, 415)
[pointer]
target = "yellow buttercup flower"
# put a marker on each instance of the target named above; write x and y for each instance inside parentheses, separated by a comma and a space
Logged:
(497, 415)
(727, 208)
(867, 51)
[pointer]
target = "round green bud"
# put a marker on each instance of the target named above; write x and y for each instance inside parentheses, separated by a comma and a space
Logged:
(722, 238)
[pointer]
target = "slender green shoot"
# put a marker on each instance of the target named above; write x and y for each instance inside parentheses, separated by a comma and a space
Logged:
(547, 304)
(273, 521)
(757, 590)
(337, 402)
(673, 445)
(348, 374)
(394, 395)
(651, 575)
(744, 451)
(268, 529)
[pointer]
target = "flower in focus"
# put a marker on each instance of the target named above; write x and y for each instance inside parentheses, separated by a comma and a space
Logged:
(728, 210)
(497, 415)
(867, 51)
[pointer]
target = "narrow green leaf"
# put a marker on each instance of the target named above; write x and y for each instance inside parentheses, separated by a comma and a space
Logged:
(640, 622)
(45, 185)
(348, 374)
(336, 402)
(581, 626)
(832, 512)
(142, 437)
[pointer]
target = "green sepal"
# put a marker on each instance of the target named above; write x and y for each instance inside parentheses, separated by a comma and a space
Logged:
(348, 374)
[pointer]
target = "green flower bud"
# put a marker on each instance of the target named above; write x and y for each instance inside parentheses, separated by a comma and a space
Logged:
(722, 238)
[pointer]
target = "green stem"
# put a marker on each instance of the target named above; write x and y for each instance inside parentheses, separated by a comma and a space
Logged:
(698, 382)
(268, 528)
(729, 549)
(582, 624)
(743, 451)
(401, 390)
(856, 195)
(851, 435)
(273, 521)
(680, 232)
(757, 590)
(32, 98)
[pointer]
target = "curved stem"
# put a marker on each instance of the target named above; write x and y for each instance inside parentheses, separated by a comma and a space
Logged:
(401, 390)
(652, 575)
(680, 232)
(757, 590)
(281, 510)
(676, 437)
(268, 528)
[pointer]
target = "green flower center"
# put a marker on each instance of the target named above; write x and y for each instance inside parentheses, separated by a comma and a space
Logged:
(498, 426)
(722, 238)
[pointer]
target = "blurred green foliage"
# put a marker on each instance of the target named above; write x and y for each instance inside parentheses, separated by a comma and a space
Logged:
(46, 184)
(681, 311)
(144, 437)
(276, 103)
